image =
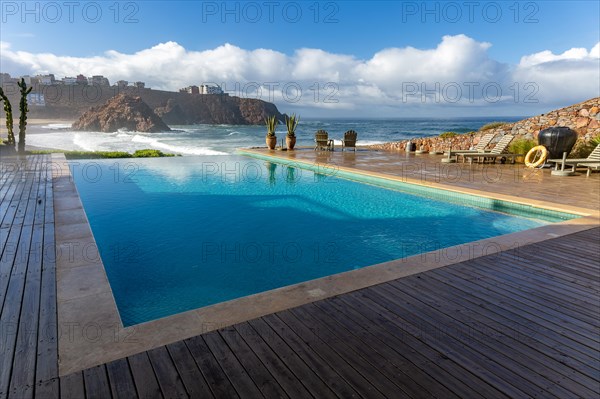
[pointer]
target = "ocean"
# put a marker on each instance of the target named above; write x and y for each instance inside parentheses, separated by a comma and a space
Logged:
(224, 139)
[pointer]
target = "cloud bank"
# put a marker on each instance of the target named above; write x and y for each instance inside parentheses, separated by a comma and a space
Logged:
(454, 78)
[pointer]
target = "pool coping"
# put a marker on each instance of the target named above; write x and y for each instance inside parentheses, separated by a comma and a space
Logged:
(90, 329)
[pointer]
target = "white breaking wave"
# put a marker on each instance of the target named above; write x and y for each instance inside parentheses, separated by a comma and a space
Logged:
(175, 148)
(57, 126)
(83, 141)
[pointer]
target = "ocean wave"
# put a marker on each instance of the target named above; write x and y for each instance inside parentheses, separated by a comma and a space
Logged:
(80, 141)
(175, 148)
(57, 126)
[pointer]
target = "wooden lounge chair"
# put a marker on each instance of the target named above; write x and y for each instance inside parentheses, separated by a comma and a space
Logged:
(322, 141)
(591, 162)
(499, 151)
(349, 140)
(484, 141)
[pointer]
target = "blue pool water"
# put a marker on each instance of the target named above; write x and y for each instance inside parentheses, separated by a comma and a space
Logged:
(182, 233)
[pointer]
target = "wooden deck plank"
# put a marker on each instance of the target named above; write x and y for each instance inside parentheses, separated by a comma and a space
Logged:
(96, 383)
(49, 389)
(216, 378)
(244, 385)
(120, 379)
(47, 356)
(261, 376)
(328, 374)
(191, 376)
(346, 367)
(281, 368)
(144, 378)
(72, 386)
(167, 376)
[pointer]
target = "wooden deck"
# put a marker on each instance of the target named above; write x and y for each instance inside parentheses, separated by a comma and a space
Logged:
(523, 323)
(28, 326)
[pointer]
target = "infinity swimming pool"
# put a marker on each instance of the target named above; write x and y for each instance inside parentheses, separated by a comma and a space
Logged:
(182, 233)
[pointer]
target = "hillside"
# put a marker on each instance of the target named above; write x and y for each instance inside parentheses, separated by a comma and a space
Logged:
(583, 117)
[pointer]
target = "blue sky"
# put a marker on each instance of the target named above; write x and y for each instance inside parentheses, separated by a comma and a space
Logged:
(56, 37)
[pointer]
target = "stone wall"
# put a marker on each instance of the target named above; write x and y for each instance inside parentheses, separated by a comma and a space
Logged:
(584, 118)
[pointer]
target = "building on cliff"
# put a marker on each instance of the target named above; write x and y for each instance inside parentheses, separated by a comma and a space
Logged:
(210, 89)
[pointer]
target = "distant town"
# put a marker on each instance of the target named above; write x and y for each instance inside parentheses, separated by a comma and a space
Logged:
(95, 80)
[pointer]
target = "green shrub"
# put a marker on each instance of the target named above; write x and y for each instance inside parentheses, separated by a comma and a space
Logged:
(492, 125)
(521, 146)
(447, 135)
(151, 154)
(147, 153)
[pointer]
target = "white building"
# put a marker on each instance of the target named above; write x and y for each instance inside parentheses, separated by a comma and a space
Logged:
(98, 80)
(69, 81)
(210, 89)
(47, 80)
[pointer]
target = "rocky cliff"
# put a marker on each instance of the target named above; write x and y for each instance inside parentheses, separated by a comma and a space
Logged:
(175, 108)
(584, 118)
(121, 112)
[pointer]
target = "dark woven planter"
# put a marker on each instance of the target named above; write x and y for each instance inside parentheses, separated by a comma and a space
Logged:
(557, 140)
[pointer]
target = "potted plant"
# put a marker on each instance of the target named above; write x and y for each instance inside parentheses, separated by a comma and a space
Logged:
(271, 139)
(292, 123)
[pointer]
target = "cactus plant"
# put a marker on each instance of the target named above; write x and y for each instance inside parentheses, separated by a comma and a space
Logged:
(23, 116)
(9, 119)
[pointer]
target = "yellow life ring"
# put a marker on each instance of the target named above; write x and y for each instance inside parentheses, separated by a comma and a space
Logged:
(536, 156)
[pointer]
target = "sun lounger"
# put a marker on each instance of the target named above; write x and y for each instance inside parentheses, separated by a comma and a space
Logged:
(349, 140)
(484, 141)
(499, 151)
(591, 162)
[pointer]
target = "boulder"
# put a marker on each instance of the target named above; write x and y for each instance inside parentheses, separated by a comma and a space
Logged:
(121, 112)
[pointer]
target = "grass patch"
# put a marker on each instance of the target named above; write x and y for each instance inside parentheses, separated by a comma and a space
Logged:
(447, 135)
(148, 153)
(492, 125)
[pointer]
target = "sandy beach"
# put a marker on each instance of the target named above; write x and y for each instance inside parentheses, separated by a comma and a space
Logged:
(35, 121)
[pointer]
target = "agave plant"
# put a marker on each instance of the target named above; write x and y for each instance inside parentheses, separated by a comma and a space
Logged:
(292, 123)
(271, 122)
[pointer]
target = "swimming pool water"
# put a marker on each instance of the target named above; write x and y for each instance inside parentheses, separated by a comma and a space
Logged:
(182, 233)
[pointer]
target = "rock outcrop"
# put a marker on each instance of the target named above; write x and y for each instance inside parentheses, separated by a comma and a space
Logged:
(584, 118)
(121, 112)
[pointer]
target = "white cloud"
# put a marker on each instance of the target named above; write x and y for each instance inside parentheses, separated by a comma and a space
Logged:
(458, 71)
